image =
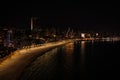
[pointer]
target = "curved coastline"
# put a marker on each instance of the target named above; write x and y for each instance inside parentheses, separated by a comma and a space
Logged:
(12, 66)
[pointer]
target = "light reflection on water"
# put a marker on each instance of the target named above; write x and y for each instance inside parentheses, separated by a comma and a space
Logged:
(82, 52)
(61, 63)
(82, 60)
(69, 48)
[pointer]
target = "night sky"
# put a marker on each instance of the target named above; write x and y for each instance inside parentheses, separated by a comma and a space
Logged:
(96, 17)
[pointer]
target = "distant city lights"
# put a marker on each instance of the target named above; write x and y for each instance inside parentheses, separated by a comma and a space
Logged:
(96, 34)
(82, 35)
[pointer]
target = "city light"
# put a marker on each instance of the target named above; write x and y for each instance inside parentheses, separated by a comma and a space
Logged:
(96, 34)
(66, 41)
(82, 35)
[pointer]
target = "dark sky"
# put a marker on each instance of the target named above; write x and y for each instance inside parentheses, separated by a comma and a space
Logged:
(101, 17)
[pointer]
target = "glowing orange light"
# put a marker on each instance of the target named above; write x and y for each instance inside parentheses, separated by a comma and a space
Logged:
(82, 35)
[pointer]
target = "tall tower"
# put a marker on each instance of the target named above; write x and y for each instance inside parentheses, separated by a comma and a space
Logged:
(9, 36)
(31, 23)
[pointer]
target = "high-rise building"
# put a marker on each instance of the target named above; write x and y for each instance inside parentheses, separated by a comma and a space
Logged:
(3, 37)
(31, 23)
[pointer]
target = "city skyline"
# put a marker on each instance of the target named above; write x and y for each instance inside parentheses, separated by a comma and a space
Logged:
(61, 41)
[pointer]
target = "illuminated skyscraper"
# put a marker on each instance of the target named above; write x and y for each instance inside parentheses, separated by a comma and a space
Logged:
(31, 23)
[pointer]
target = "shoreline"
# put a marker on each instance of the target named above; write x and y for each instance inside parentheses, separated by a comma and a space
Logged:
(12, 66)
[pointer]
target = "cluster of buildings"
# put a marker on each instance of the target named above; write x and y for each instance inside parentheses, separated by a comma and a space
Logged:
(14, 38)
(21, 37)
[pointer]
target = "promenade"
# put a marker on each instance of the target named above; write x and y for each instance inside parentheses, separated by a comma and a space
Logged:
(12, 66)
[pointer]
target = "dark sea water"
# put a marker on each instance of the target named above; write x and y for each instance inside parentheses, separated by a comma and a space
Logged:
(80, 60)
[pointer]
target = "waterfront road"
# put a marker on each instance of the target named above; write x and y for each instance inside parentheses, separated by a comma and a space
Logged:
(12, 66)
